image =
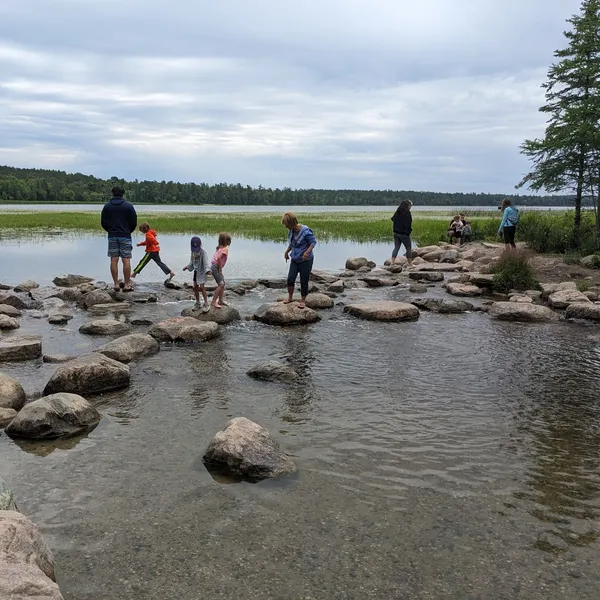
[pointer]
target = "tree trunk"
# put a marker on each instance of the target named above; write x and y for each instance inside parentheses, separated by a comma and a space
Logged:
(597, 210)
(578, 197)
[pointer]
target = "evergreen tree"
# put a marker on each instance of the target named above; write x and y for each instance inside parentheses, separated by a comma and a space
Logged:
(566, 158)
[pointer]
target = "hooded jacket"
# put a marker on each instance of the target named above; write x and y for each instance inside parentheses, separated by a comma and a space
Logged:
(119, 218)
(151, 242)
(510, 218)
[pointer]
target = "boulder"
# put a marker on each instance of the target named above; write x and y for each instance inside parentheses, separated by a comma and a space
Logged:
(583, 310)
(356, 284)
(397, 268)
(318, 301)
(130, 347)
(337, 287)
(430, 304)
(285, 314)
(248, 450)
(354, 264)
(426, 276)
(550, 288)
(88, 374)
(563, 298)
(222, 316)
(9, 311)
(434, 255)
(322, 277)
(423, 250)
(96, 297)
(484, 280)
(6, 416)
(418, 288)
(273, 371)
(592, 296)
(8, 323)
(113, 308)
(12, 299)
(400, 261)
(44, 293)
(105, 327)
(364, 270)
(274, 284)
(173, 285)
(18, 348)
(7, 499)
(591, 262)
(184, 329)
(236, 288)
(57, 358)
(461, 278)
(535, 295)
(383, 310)
(448, 307)
(69, 294)
(61, 318)
(519, 311)
(4, 287)
(463, 289)
(26, 286)
(249, 284)
(71, 280)
(379, 281)
(55, 416)
(137, 297)
(26, 565)
(520, 298)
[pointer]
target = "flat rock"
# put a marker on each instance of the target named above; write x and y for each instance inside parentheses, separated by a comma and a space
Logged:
(26, 286)
(54, 416)
(551, 288)
(423, 250)
(346, 274)
(96, 297)
(448, 307)
(113, 308)
(484, 280)
(6, 416)
(460, 278)
(44, 293)
(418, 288)
(425, 276)
(71, 280)
(383, 310)
(356, 284)
(519, 311)
(430, 304)
(520, 298)
(285, 314)
(130, 347)
(274, 284)
(323, 277)
(4, 287)
(463, 289)
(318, 301)
(7, 499)
(434, 255)
(396, 268)
(8, 323)
(354, 264)
(173, 285)
(19, 348)
(237, 288)
(562, 299)
(137, 297)
(141, 322)
(88, 374)
(60, 318)
(246, 449)
(273, 371)
(9, 311)
(222, 316)
(12, 299)
(439, 267)
(379, 281)
(184, 329)
(105, 327)
(337, 287)
(583, 310)
(57, 358)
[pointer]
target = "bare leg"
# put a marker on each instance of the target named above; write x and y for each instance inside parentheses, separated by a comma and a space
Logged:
(196, 294)
(204, 295)
(114, 271)
(127, 272)
(290, 294)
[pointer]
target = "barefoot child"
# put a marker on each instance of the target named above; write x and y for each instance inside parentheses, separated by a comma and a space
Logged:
(199, 265)
(218, 262)
(152, 252)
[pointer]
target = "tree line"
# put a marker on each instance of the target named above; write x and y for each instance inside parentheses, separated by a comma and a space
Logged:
(40, 185)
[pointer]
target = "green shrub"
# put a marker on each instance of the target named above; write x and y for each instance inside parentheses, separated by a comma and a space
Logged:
(513, 271)
(572, 258)
(583, 285)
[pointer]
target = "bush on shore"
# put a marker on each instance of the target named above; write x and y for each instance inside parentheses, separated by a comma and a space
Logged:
(513, 271)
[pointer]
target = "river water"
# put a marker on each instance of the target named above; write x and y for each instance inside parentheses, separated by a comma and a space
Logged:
(450, 458)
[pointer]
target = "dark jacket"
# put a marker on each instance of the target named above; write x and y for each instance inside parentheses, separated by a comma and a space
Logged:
(119, 218)
(402, 223)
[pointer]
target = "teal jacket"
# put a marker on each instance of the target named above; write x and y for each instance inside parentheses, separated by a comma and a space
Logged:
(510, 218)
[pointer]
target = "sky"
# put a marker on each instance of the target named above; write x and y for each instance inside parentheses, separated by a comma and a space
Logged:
(430, 95)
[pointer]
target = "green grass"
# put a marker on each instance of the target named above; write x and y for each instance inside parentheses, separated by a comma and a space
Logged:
(583, 285)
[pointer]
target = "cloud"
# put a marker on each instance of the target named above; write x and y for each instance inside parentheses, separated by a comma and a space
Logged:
(433, 95)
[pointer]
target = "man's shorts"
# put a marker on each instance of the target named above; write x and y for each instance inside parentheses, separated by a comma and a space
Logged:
(119, 247)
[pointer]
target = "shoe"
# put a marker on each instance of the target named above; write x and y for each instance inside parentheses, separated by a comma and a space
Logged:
(205, 309)
(198, 306)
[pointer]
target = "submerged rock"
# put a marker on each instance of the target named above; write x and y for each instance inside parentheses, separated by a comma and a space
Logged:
(7, 499)
(130, 347)
(455, 306)
(383, 310)
(12, 299)
(247, 449)
(583, 310)
(285, 314)
(519, 311)
(6, 416)
(372, 281)
(57, 358)
(26, 286)
(9, 311)
(318, 301)
(463, 289)
(418, 288)
(88, 374)
(71, 280)
(222, 316)
(184, 329)
(19, 348)
(61, 318)
(8, 323)
(563, 298)
(58, 415)
(105, 327)
(273, 371)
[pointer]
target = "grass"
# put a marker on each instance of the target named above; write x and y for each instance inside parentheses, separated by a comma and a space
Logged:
(583, 285)
(513, 271)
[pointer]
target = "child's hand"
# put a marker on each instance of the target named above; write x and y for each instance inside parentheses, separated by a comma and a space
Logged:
(139, 244)
(306, 255)
(185, 268)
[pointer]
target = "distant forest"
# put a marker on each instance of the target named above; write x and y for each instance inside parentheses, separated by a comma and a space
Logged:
(39, 186)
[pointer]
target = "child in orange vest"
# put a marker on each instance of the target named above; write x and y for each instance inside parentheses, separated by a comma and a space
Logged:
(152, 252)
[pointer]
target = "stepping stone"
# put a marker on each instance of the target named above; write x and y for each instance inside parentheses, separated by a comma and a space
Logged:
(285, 314)
(383, 310)
(20, 348)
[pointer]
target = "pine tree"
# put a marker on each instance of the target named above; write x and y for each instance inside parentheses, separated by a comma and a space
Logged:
(567, 157)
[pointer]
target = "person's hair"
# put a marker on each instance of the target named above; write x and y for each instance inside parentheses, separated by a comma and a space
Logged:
(144, 227)
(118, 191)
(289, 219)
(224, 240)
(404, 207)
(506, 202)
(456, 217)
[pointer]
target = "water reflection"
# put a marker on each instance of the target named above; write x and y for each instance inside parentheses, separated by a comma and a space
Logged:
(44, 448)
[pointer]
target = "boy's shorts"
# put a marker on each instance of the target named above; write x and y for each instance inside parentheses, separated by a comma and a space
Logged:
(119, 247)
(199, 278)
(219, 279)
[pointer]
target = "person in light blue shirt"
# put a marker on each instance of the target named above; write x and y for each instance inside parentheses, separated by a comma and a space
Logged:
(508, 226)
(301, 242)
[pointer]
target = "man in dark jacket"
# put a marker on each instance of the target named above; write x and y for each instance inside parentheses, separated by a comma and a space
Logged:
(119, 219)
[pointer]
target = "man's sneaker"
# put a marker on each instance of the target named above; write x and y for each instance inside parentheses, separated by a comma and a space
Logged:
(206, 308)
(198, 305)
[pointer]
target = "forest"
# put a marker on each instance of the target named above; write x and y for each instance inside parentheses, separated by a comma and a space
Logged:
(39, 186)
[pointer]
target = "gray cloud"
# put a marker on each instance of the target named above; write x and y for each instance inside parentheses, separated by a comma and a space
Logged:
(331, 93)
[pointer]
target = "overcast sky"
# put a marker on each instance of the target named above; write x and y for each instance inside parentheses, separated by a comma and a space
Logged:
(404, 94)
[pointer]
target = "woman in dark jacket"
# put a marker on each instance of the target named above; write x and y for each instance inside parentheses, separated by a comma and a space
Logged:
(402, 229)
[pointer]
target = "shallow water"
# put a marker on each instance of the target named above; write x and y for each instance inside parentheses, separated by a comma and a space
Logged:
(454, 457)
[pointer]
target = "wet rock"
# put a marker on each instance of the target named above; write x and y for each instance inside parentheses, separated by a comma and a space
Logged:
(356, 284)
(137, 297)
(483, 280)
(448, 307)
(26, 286)
(7, 499)
(4, 287)
(12, 299)
(562, 299)
(96, 297)
(418, 288)
(273, 371)
(346, 274)
(396, 269)
(184, 329)
(323, 277)
(439, 267)
(141, 322)
(173, 285)
(53, 305)
(57, 358)
(583, 310)
(425, 276)
(59, 318)
(114, 308)
(383, 310)
(550, 541)
(337, 287)
(274, 284)
(379, 281)
(8, 323)
(69, 294)
(364, 270)
(285, 314)
(130, 347)
(461, 278)
(105, 327)
(238, 289)
(88, 374)
(550, 288)
(55, 416)
(71, 280)
(222, 316)
(9, 311)
(6, 416)
(400, 261)
(430, 304)
(26, 565)
(20, 348)
(519, 311)
(354, 264)
(248, 450)
(520, 298)
(249, 284)
(463, 289)
(318, 301)
(535, 295)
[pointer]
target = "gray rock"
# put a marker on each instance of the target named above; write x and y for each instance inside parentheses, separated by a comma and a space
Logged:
(337, 287)
(44, 293)
(591, 262)
(115, 308)
(383, 310)
(423, 250)
(450, 256)
(535, 295)
(592, 296)
(426, 276)
(461, 278)
(346, 274)
(137, 297)
(55, 416)
(8, 323)
(130, 347)
(60, 318)
(354, 264)
(249, 284)
(356, 284)
(482, 280)
(563, 298)
(222, 316)
(285, 314)
(9, 311)
(96, 297)
(583, 310)
(550, 288)
(141, 322)
(238, 289)
(275, 284)
(105, 327)
(434, 255)
(12, 299)
(173, 285)
(379, 281)
(526, 313)
(7, 499)
(418, 288)
(184, 329)
(26, 286)
(463, 289)
(323, 277)
(248, 450)
(19, 348)
(71, 280)
(4, 287)
(448, 307)
(57, 358)
(318, 301)
(88, 374)
(520, 298)
(69, 294)
(430, 304)
(397, 268)
(273, 371)
(364, 270)
(6, 416)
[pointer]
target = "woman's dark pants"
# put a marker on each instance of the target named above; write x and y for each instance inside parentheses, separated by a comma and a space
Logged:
(304, 268)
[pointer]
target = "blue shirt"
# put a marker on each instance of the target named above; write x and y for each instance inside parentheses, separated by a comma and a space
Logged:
(510, 218)
(299, 241)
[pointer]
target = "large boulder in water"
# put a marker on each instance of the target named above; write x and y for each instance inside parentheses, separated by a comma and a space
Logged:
(9, 311)
(285, 314)
(8, 323)
(130, 347)
(583, 310)
(222, 316)
(7, 499)
(88, 374)
(96, 297)
(526, 313)
(12, 394)
(318, 301)
(19, 348)
(383, 310)
(6, 416)
(246, 449)
(26, 286)
(105, 327)
(12, 299)
(354, 264)
(273, 371)
(71, 280)
(55, 416)
(26, 564)
(564, 298)
(184, 329)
